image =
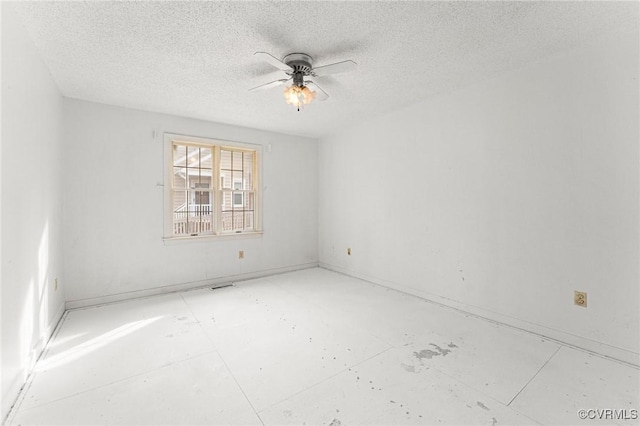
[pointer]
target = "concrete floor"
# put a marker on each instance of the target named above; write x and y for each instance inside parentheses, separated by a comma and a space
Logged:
(312, 347)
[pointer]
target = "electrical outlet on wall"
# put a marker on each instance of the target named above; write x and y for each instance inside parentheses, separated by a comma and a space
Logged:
(349, 251)
(241, 254)
(580, 298)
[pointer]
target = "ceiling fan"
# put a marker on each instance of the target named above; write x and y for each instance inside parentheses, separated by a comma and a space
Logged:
(299, 66)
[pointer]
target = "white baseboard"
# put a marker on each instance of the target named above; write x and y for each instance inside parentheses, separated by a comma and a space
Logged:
(102, 300)
(559, 336)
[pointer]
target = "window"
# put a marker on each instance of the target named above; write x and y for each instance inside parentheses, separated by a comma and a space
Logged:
(212, 187)
(237, 166)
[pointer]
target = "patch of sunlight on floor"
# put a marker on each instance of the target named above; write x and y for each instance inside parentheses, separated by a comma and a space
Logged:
(92, 345)
(61, 341)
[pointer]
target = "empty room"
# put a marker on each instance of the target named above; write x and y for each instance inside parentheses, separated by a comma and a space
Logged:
(320, 213)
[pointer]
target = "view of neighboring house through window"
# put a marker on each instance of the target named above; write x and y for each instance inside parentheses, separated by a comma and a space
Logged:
(192, 191)
(236, 170)
(213, 189)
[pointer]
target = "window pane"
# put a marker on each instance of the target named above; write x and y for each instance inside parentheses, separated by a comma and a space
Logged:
(248, 221)
(193, 178)
(202, 181)
(249, 198)
(238, 221)
(179, 155)
(203, 201)
(227, 201)
(225, 179)
(193, 156)
(237, 199)
(227, 221)
(197, 198)
(194, 227)
(191, 205)
(225, 159)
(237, 180)
(248, 181)
(206, 158)
(179, 200)
(237, 160)
(247, 168)
(180, 212)
(200, 216)
(179, 177)
(180, 227)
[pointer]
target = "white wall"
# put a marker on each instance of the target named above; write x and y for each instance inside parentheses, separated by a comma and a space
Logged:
(503, 198)
(113, 208)
(31, 206)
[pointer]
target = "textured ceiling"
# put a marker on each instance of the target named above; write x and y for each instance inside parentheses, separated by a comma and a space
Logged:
(195, 59)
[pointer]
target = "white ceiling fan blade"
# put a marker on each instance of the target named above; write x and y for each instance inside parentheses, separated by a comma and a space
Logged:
(273, 61)
(344, 66)
(270, 85)
(321, 95)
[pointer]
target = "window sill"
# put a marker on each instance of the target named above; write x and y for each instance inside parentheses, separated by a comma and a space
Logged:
(203, 238)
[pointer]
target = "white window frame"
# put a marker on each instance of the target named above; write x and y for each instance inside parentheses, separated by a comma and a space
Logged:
(216, 144)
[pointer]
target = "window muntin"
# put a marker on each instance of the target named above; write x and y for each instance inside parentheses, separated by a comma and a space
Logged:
(213, 188)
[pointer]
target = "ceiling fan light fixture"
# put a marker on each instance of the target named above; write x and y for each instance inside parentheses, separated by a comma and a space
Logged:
(298, 95)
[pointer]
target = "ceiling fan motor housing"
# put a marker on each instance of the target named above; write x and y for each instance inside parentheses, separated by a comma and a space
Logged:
(301, 65)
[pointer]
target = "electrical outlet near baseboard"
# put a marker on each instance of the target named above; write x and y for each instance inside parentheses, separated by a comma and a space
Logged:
(580, 298)
(241, 254)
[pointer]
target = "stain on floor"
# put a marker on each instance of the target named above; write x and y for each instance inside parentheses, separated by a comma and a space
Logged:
(428, 353)
(409, 368)
(441, 351)
(425, 354)
(481, 405)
